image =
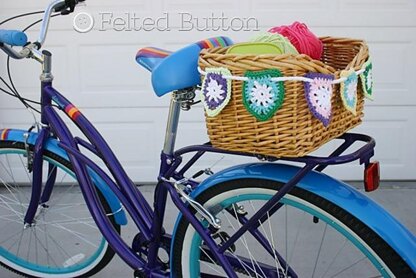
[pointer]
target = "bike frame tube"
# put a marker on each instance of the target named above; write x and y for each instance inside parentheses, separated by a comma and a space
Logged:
(167, 166)
(88, 162)
(141, 209)
(88, 191)
(37, 177)
(126, 185)
(47, 191)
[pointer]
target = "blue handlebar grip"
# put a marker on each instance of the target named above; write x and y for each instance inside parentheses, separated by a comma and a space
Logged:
(13, 37)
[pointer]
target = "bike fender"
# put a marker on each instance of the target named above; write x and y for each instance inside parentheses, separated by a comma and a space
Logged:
(52, 146)
(339, 193)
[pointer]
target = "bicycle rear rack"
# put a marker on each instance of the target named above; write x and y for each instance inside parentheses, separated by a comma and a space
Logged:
(363, 154)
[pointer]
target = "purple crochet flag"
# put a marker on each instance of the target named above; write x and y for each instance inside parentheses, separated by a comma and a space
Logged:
(318, 95)
(216, 90)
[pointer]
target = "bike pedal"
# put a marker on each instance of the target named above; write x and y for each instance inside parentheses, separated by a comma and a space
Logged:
(139, 274)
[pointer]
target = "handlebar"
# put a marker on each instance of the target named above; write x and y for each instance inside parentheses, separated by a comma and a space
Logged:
(13, 37)
(10, 38)
(63, 6)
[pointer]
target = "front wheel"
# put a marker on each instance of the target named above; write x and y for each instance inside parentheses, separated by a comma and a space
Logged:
(64, 241)
(308, 236)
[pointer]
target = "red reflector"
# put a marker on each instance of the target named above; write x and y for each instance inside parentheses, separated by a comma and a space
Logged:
(372, 176)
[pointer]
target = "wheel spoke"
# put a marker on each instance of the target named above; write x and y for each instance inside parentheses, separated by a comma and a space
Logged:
(271, 243)
(18, 214)
(295, 243)
(244, 240)
(46, 251)
(26, 170)
(209, 265)
(9, 188)
(349, 267)
(58, 198)
(8, 238)
(319, 250)
(78, 235)
(335, 257)
(243, 264)
(20, 241)
(14, 181)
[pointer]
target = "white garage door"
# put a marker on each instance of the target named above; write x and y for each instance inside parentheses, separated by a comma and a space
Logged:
(97, 70)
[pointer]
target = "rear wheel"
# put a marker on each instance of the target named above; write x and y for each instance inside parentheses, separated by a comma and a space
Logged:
(64, 241)
(309, 236)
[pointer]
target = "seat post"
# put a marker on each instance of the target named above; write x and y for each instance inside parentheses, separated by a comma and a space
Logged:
(172, 126)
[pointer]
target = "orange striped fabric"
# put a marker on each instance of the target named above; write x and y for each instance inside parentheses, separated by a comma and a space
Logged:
(4, 134)
(72, 111)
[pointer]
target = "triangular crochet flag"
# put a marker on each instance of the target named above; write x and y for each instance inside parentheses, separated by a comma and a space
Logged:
(261, 96)
(367, 80)
(318, 94)
(348, 90)
(216, 90)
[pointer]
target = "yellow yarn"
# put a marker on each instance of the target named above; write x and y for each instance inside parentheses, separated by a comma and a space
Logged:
(282, 42)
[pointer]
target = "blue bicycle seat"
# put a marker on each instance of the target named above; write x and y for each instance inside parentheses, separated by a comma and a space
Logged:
(150, 57)
(177, 70)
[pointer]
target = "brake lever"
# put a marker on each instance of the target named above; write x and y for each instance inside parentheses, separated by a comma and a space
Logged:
(60, 8)
(68, 7)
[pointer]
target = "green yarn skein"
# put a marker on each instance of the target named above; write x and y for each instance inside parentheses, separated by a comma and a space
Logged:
(282, 42)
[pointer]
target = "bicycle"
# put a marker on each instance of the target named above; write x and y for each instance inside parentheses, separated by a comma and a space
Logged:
(225, 226)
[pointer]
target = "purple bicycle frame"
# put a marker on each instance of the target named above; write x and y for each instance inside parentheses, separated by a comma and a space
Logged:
(150, 221)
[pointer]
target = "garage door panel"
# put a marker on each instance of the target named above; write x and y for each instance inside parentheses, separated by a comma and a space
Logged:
(191, 5)
(392, 127)
(377, 5)
(393, 65)
(107, 68)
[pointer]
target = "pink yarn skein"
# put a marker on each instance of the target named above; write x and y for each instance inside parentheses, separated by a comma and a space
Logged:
(302, 38)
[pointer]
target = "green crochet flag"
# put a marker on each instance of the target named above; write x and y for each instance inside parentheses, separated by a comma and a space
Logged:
(262, 97)
(367, 80)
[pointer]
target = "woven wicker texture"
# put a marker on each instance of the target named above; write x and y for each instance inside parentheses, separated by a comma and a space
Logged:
(293, 131)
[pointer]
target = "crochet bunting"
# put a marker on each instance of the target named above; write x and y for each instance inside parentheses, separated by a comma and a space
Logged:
(216, 90)
(262, 97)
(348, 90)
(318, 94)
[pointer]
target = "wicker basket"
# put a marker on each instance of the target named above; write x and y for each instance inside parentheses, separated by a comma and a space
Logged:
(293, 131)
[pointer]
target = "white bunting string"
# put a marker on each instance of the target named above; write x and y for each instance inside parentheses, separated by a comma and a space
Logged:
(280, 79)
